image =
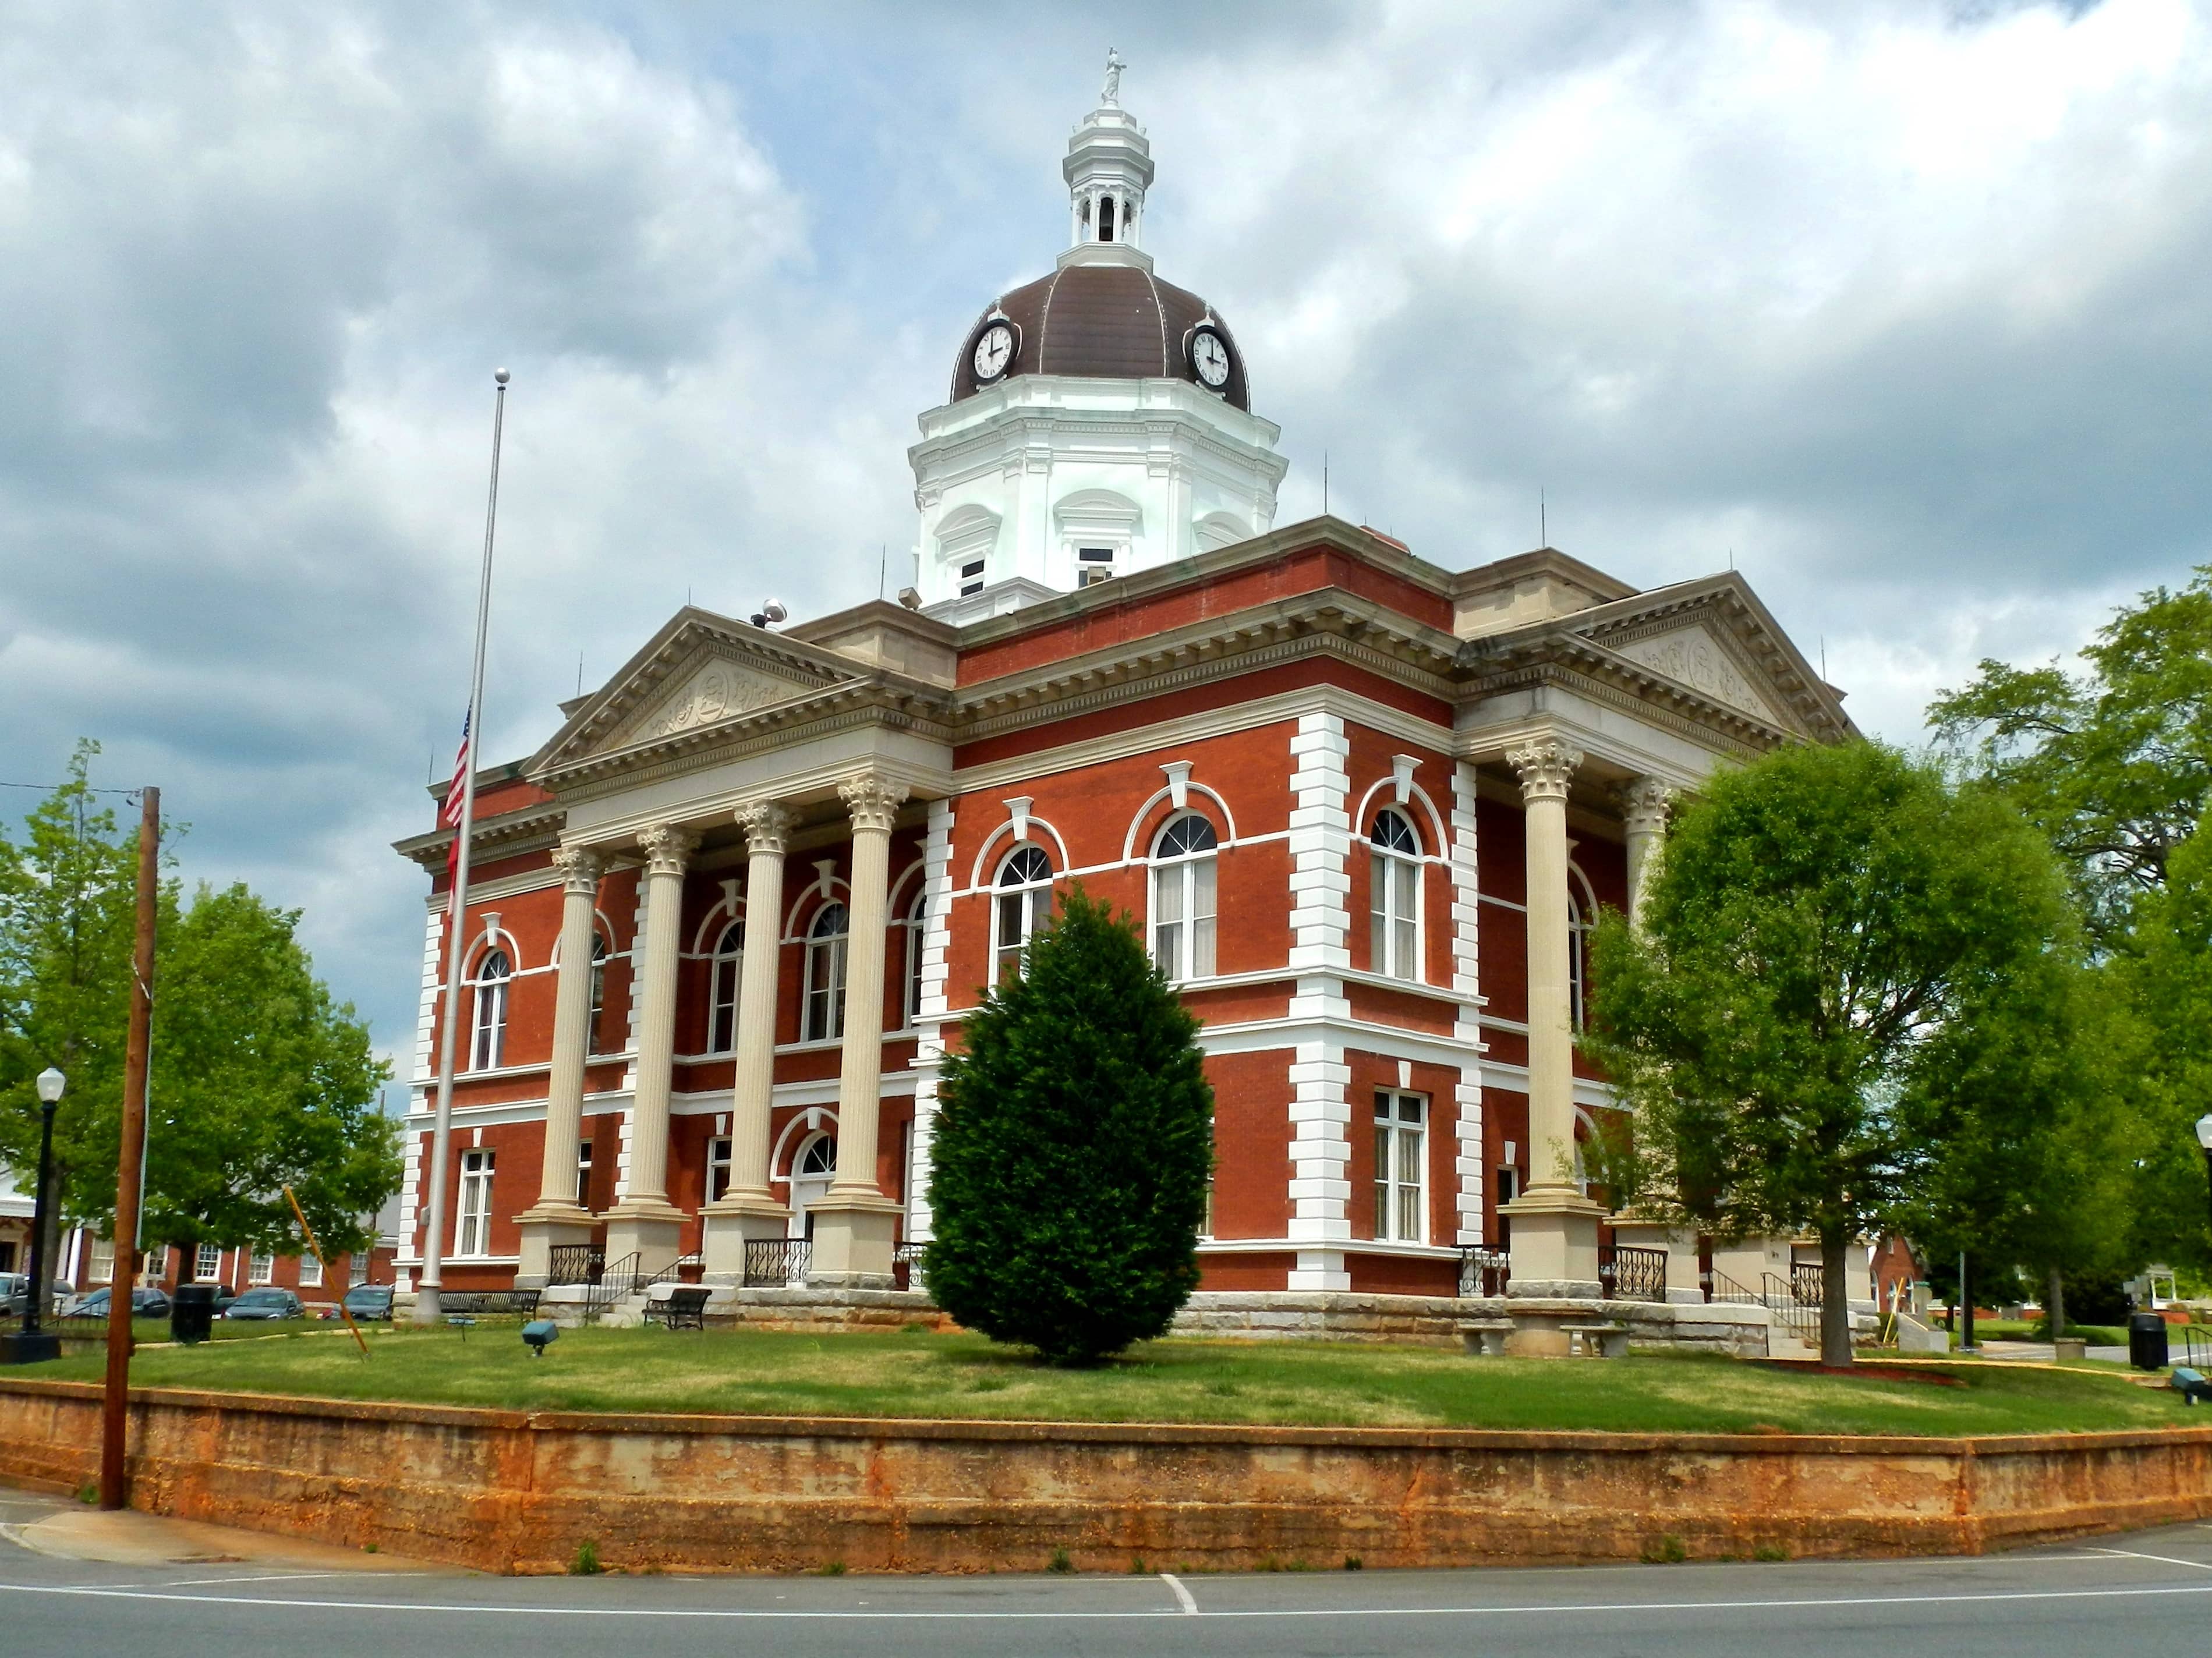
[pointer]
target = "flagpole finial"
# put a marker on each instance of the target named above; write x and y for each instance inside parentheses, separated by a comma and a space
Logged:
(499, 376)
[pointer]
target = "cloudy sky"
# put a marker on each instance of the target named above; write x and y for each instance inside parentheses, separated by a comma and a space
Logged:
(1901, 305)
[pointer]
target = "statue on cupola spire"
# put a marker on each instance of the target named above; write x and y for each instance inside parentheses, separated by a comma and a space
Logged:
(1111, 92)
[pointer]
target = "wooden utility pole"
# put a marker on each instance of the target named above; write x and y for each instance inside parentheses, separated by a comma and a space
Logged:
(114, 1483)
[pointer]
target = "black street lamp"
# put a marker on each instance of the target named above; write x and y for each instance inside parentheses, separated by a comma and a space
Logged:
(33, 1345)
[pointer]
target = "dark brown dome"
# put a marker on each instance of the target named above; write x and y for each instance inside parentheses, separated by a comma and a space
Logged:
(1108, 321)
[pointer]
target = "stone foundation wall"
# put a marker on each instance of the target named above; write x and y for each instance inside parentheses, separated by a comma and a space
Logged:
(512, 1491)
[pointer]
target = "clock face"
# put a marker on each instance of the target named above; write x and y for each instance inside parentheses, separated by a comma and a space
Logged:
(1209, 356)
(994, 351)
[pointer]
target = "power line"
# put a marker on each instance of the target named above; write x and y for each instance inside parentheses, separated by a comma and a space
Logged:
(50, 788)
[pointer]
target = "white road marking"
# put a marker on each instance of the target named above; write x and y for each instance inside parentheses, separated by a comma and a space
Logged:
(1547, 1610)
(1182, 1595)
(2162, 1559)
(264, 1577)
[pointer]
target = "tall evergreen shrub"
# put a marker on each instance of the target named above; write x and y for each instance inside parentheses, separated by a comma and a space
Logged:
(1073, 1143)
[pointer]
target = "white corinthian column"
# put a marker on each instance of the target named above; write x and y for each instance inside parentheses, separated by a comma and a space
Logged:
(643, 1221)
(749, 1209)
(1643, 805)
(854, 1224)
(1554, 1243)
(556, 1217)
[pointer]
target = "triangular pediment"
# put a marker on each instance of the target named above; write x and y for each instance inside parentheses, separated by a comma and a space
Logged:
(698, 672)
(1692, 656)
(715, 688)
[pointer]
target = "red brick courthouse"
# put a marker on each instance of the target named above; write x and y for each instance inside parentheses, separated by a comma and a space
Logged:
(1365, 805)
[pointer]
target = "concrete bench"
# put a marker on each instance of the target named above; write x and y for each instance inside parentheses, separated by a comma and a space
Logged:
(1485, 1337)
(1600, 1340)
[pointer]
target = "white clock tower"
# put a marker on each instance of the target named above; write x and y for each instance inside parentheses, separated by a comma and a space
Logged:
(1099, 420)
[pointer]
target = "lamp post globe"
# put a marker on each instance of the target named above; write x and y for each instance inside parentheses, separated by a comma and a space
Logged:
(2204, 1139)
(52, 1082)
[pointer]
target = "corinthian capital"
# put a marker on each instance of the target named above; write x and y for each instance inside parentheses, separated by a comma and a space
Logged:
(873, 800)
(668, 848)
(1643, 805)
(1545, 766)
(579, 868)
(766, 824)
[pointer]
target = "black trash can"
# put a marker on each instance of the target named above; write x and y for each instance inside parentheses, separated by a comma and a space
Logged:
(192, 1312)
(2146, 1341)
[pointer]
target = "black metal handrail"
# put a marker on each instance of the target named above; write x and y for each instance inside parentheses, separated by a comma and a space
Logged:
(1782, 1303)
(773, 1262)
(614, 1283)
(684, 1269)
(1634, 1272)
(576, 1263)
(1483, 1272)
(1806, 1279)
(1720, 1287)
(2196, 1344)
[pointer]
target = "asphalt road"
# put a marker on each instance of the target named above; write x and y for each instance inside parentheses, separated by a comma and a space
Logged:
(2145, 1596)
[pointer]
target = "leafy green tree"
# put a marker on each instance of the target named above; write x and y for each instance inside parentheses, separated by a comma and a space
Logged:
(1074, 1144)
(2168, 970)
(257, 1079)
(2114, 765)
(1829, 937)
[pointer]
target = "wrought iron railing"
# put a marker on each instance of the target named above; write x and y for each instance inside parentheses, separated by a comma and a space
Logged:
(773, 1262)
(616, 1282)
(482, 1303)
(684, 1269)
(1806, 1278)
(1720, 1287)
(905, 1259)
(576, 1263)
(2196, 1341)
(1483, 1272)
(1632, 1272)
(1782, 1307)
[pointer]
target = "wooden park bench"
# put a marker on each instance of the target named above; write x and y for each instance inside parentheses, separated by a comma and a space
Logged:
(685, 1308)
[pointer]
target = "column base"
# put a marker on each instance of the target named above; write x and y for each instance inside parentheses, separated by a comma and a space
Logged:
(1553, 1252)
(1636, 1231)
(728, 1226)
(853, 1241)
(652, 1231)
(545, 1228)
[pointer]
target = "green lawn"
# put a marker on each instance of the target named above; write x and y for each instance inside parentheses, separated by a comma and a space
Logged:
(921, 1374)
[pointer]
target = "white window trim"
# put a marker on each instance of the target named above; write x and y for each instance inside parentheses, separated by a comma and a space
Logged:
(1182, 868)
(487, 1036)
(1391, 1188)
(718, 1149)
(726, 964)
(835, 947)
(207, 1263)
(311, 1272)
(1381, 862)
(479, 1168)
(261, 1268)
(1004, 956)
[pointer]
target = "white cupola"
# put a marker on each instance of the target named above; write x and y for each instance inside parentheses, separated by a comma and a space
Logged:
(1099, 420)
(1108, 169)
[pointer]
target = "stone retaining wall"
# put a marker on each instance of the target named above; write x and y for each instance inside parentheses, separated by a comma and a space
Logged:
(512, 1491)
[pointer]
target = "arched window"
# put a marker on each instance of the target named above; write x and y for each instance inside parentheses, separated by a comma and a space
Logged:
(594, 1041)
(487, 1032)
(1025, 900)
(1396, 902)
(825, 973)
(1182, 898)
(1106, 218)
(722, 989)
(910, 928)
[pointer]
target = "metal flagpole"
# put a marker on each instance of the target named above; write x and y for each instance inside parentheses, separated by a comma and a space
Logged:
(434, 1236)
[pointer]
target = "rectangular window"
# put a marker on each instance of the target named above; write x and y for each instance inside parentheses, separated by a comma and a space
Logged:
(206, 1262)
(357, 1268)
(263, 1268)
(311, 1273)
(1399, 1210)
(718, 1168)
(473, 1234)
(971, 577)
(1093, 565)
(103, 1261)
(584, 1174)
(1182, 919)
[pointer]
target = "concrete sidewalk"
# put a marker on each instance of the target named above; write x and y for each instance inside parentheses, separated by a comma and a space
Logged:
(131, 1539)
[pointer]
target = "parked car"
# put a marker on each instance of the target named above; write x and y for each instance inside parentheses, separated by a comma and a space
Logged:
(267, 1301)
(145, 1302)
(16, 1295)
(369, 1301)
